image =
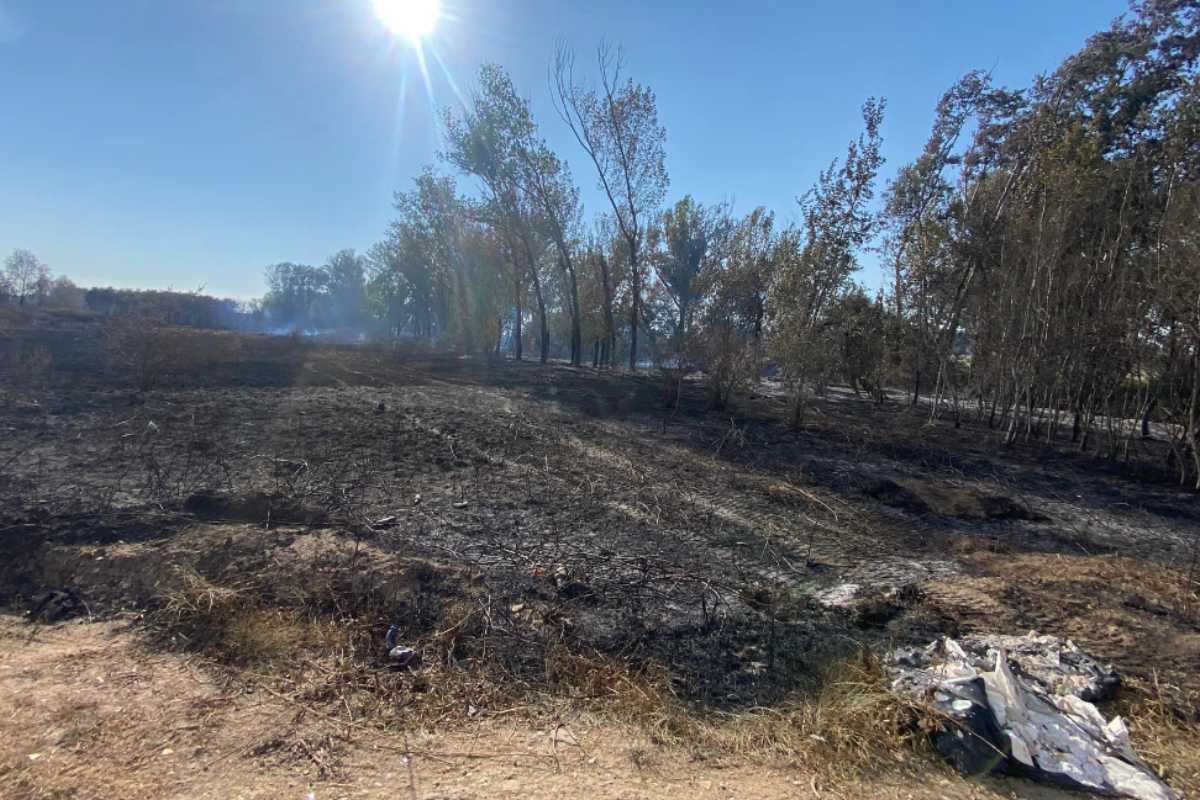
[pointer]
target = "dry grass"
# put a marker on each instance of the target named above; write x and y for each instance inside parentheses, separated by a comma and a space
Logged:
(1164, 722)
(308, 626)
(843, 720)
(229, 624)
(210, 739)
(25, 368)
(149, 352)
(321, 651)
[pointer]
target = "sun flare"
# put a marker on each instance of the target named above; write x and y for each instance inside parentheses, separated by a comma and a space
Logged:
(412, 19)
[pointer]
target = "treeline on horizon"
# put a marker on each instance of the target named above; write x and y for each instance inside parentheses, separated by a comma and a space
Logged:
(26, 281)
(1042, 250)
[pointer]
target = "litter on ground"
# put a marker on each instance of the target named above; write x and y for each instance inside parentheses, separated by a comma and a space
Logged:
(1024, 705)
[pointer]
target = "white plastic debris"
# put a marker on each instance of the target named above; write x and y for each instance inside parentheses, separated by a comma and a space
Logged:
(403, 656)
(1017, 704)
(399, 654)
(1055, 665)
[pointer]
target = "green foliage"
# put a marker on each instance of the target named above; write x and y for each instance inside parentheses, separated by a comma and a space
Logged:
(814, 262)
(859, 325)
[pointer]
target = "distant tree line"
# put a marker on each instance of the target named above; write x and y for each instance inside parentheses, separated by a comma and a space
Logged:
(27, 281)
(190, 309)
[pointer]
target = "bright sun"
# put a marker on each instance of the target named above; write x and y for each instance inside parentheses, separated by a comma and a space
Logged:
(412, 19)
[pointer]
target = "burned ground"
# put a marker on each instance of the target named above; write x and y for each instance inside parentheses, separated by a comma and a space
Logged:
(541, 529)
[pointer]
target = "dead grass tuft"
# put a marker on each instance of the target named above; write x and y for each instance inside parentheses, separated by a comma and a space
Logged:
(1164, 722)
(197, 600)
(845, 720)
(228, 624)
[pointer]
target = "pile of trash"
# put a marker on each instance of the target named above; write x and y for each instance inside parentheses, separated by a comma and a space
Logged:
(1024, 705)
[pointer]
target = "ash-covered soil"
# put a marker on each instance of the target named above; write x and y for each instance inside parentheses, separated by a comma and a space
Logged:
(582, 508)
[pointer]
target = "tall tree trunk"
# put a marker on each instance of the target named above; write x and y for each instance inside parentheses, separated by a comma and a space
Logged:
(610, 346)
(544, 339)
(635, 280)
(1151, 402)
(517, 346)
(633, 331)
(1193, 427)
(567, 268)
(464, 311)
(798, 408)
(576, 325)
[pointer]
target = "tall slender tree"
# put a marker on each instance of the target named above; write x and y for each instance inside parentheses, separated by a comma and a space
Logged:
(617, 126)
(816, 261)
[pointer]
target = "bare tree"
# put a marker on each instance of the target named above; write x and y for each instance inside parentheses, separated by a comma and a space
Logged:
(26, 276)
(619, 130)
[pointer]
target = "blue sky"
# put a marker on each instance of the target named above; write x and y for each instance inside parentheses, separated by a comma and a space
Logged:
(187, 143)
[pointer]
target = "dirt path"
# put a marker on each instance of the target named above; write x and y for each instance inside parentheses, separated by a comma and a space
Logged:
(86, 712)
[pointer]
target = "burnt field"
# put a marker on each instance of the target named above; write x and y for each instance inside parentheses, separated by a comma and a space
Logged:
(552, 537)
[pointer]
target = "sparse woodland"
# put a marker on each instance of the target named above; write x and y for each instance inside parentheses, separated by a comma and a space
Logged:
(1041, 251)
